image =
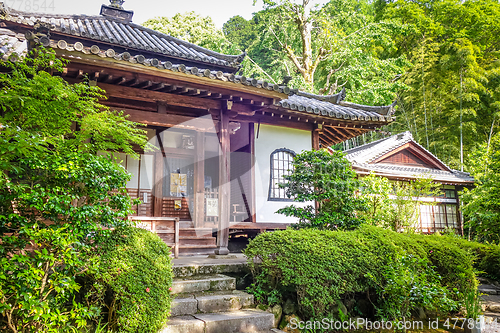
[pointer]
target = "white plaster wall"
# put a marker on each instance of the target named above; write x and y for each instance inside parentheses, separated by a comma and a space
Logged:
(270, 139)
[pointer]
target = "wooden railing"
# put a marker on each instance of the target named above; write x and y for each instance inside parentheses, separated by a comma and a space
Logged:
(152, 224)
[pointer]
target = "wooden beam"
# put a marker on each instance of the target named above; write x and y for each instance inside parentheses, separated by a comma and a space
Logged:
(224, 181)
(162, 108)
(342, 133)
(151, 96)
(154, 118)
(158, 86)
(315, 140)
(276, 121)
(171, 99)
(86, 62)
(327, 135)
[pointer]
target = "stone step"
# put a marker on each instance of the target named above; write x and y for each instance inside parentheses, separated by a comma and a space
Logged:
(491, 303)
(244, 321)
(203, 283)
(211, 302)
(488, 289)
(199, 265)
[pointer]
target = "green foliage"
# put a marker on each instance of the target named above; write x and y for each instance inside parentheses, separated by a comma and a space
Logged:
(134, 280)
(56, 194)
(240, 32)
(328, 179)
(41, 104)
(321, 267)
(454, 81)
(482, 203)
(323, 48)
(409, 283)
(399, 211)
(192, 28)
(487, 256)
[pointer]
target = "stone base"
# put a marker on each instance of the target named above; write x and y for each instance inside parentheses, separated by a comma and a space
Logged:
(222, 256)
(221, 251)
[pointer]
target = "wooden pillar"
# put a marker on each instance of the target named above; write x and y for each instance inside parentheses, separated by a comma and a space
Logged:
(199, 181)
(253, 210)
(158, 178)
(224, 180)
(158, 186)
(315, 136)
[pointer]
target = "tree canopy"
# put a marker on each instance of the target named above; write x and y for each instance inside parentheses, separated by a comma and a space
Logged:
(193, 28)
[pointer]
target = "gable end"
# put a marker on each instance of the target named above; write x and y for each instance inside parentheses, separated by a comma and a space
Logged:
(412, 155)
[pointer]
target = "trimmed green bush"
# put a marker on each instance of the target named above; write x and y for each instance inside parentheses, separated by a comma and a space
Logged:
(321, 267)
(134, 280)
(487, 256)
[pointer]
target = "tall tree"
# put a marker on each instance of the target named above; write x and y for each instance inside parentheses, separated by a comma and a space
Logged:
(454, 81)
(324, 48)
(193, 28)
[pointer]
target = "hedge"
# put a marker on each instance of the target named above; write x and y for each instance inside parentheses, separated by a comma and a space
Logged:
(487, 256)
(320, 267)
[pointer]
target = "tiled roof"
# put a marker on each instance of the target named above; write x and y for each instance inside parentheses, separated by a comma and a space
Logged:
(12, 45)
(314, 105)
(371, 151)
(133, 43)
(362, 157)
(382, 169)
(124, 34)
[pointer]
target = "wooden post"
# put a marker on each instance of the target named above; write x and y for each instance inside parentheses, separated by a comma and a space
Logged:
(158, 180)
(176, 237)
(253, 210)
(315, 137)
(199, 185)
(158, 186)
(224, 180)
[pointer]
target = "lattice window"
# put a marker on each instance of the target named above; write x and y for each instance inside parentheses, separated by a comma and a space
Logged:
(451, 214)
(281, 165)
(440, 216)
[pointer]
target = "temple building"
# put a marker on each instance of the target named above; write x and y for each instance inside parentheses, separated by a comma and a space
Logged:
(400, 158)
(224, 141)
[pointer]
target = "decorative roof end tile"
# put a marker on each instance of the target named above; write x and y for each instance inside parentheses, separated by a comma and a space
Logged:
(115, 10)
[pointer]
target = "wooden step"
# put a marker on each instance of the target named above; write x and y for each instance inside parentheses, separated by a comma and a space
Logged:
(193, 240)
(197, 246)
(195, 232)
(186, 224)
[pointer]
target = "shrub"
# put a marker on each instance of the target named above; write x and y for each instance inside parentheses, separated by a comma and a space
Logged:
(55, 193)
(328, 179)
(321, 267)
(487, 256)
(401, 211)
(410, 283)
(44, 236)
(134, 280)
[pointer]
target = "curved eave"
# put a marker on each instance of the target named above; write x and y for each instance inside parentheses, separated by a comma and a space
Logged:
(210, 80)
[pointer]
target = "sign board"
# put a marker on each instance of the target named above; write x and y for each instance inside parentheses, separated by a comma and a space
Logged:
(212, 207)
(178, 185)
(177, 204)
